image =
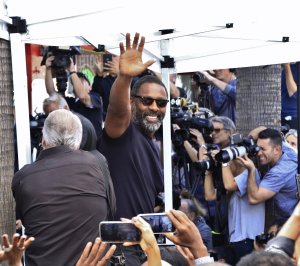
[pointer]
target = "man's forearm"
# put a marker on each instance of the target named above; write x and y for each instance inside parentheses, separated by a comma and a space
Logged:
(119, 98)
(49, 81)
(252, 187)
(289, 79)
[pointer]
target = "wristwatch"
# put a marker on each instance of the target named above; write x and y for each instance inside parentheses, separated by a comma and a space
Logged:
(203, 260)
(225, 164)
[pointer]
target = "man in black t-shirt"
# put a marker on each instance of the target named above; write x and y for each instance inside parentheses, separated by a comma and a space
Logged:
(128, 141)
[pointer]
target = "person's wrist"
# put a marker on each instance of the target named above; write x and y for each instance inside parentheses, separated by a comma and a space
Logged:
(199, 250)
(71, 73)
(225, 165)
(203, 260)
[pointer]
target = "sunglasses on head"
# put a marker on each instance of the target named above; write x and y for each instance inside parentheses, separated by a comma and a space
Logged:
(147, 101)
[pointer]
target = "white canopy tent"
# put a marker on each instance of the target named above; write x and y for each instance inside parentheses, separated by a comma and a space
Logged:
(207, 35)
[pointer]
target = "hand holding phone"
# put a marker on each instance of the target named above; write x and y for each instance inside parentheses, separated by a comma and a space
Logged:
(106, 58)
(159, 222)
(119, 232)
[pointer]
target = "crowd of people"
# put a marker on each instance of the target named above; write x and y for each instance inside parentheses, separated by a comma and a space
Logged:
(101, 161)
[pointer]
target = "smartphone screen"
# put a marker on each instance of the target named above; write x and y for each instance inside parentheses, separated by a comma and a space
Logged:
(118, 232)
(159, 222)
(107, 58)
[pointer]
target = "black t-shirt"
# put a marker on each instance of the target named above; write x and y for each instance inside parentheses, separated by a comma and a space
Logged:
(103, 86)
(135, 168)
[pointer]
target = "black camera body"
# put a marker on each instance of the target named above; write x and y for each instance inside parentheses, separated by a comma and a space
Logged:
(239, 147)
(185, 123)
(62, 60)
(209, 164)
(263, 238)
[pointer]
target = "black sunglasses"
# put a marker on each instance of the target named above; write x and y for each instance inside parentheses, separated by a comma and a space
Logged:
(147, 101)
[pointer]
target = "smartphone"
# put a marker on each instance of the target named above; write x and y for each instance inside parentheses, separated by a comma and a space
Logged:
(159, 222)
(106, 58)
(118, 232)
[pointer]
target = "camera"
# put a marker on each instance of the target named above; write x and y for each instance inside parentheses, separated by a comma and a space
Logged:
(209, 164)
(198, 77)
(185, 123)
(36, 126)
(62, 60)
(263, 238)
(239, 147)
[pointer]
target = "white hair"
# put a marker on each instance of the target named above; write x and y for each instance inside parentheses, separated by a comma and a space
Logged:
(55, 98)
(62, 127)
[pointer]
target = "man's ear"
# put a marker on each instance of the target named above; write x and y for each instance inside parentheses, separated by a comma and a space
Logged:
(277, 149)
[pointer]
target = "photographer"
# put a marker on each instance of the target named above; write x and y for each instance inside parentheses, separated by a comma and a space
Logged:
(86, 102)
(223, 128)
(279, 183)
(245, 221)
(222, 91)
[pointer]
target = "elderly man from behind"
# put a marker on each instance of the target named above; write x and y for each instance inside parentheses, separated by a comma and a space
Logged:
(61, 196)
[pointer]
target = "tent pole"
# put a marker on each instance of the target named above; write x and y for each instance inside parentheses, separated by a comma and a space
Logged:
(21, 99)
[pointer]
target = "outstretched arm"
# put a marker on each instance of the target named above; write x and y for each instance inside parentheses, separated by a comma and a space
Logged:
(80, 91)
(289, 80)
(130, 64)
(48, 77)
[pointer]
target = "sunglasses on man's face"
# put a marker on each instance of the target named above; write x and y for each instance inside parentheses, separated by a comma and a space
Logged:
(147, 101)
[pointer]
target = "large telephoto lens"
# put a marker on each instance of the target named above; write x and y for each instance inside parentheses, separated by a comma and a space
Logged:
(203, 165)
(230, 153)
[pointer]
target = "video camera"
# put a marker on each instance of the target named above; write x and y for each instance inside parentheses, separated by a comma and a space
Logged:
(61, 61)
(239, 147)
(36, 126)
(185, 123)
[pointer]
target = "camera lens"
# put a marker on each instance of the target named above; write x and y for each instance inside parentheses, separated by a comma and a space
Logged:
(203, 165)
(230, 153)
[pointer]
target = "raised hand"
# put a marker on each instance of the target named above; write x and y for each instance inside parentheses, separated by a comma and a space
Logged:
(14, 251)
(187, 234)
(131, 63)
(92, 254)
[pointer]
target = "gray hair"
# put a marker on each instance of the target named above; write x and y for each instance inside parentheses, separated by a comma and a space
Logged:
(227, 123)
(55, 98)
(62, 127)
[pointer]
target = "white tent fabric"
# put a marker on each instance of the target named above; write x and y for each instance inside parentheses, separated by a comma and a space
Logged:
(201, 40)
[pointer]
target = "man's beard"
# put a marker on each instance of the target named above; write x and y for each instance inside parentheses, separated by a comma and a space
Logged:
(140, 120)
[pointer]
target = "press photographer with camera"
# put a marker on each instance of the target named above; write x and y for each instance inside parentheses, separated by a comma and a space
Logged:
(223, 128)
(86, 102)
(222, 86)
(245, 221)
(279, 182)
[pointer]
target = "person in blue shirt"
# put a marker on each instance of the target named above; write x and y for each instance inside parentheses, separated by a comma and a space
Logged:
(222, 91)
(279, 182)
(289, 95)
